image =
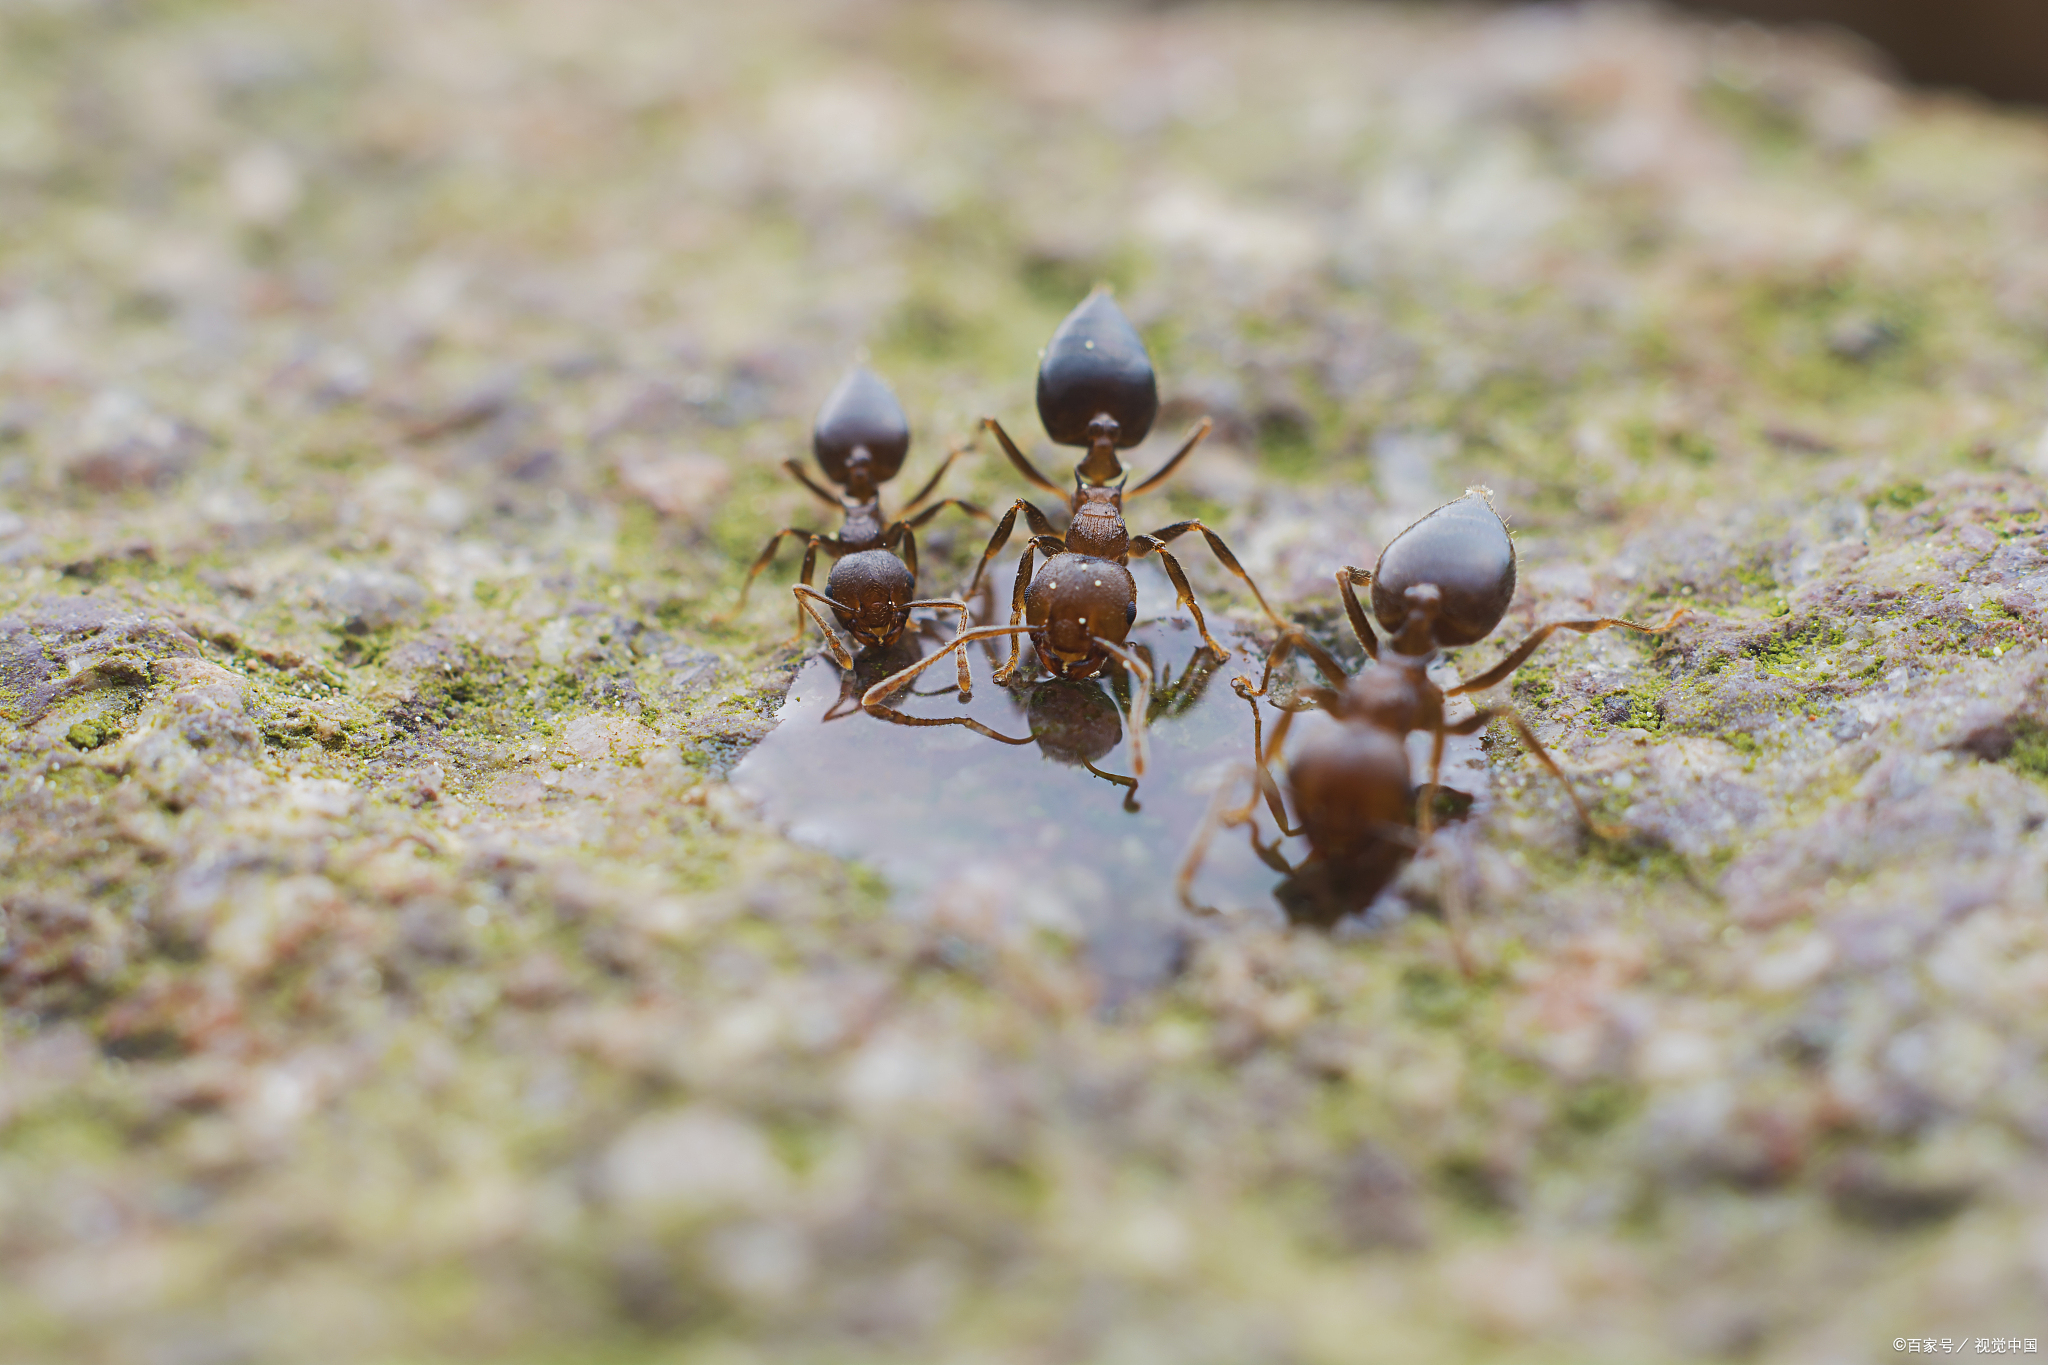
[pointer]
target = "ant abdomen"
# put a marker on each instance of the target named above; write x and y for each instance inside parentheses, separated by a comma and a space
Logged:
(1463, 550)
(1096, 365)
(861, 414)
(870, 591)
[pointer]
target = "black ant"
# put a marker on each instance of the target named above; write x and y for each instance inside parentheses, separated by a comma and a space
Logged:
(1096, 389)
(860, 439)
(1445, 581)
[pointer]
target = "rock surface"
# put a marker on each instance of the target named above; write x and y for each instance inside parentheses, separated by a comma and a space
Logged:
(391, 395)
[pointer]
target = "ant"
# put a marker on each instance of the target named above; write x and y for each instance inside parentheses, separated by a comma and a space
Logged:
(1445, 581)
(1096, 389)
(860, 438)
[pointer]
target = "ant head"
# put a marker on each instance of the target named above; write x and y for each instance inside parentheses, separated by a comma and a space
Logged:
(1074, 722)
(1076, 600)
(1095, 381)
(871, 588)
(1463, 554)
(861, 435)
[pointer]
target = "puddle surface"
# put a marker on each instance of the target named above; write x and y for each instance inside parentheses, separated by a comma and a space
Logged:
(1026, 834)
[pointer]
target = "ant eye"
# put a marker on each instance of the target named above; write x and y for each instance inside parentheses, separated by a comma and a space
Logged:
(1130, 614)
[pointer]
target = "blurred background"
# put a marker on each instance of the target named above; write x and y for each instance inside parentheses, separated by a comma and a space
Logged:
(1996, 47)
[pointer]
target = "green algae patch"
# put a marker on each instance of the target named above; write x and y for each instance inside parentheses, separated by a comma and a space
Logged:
(90, 734)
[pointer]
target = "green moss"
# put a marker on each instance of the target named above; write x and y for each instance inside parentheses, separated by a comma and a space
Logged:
(90, 734)
(1287, 444)
(1902, 496)
(1535, 685)
(1432, 995)
(1793, 652)
(2030, 749)
(1597, 1105)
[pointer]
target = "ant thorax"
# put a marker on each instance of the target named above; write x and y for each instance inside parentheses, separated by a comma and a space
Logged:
(864, 527)
(1395, 694)
(1098, 527)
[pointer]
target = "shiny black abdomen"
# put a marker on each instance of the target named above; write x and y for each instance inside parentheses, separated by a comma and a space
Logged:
(1462, 548)
(1096, 363)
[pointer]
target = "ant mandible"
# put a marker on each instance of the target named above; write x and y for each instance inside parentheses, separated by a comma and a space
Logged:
(860, 439)
(1096, 389)
(1445, 581)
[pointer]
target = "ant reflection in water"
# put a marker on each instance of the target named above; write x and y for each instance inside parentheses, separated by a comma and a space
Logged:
(877, 662)
(1445, 581)
(1076, 721)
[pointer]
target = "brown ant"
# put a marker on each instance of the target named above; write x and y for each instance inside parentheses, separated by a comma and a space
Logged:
(1445, 581)
(1096, 389)
(860, 439)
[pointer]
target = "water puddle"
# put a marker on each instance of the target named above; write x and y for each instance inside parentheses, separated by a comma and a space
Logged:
(1039, 833)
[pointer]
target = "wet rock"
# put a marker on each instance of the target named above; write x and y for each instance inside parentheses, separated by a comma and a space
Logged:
(123, 443)
(1376, 1202)
(1865, 1189)
(364, 600)
(685, 488)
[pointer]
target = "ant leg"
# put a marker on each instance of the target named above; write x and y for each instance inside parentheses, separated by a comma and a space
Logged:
(1024, 466)
(1036, 519)
(1290, 640)
(1184, 595)
(897, 681)
(895, 717)
(1520, 654)
(1361, 625)
(1473, 723)
(1161, 474)
(1141, 700)
(767, 557)
(806, 599)
(951, 604)
(1263, 754)
(810, 570)
(1166, 534)
(909, 551)
(1129, 784)
(971, 509)
(1426, 817)
(1451, 875)
(1270, 854)
(932, 483)
(1009, 670)
(1219, 814)
(796, 471)
(876, 698)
